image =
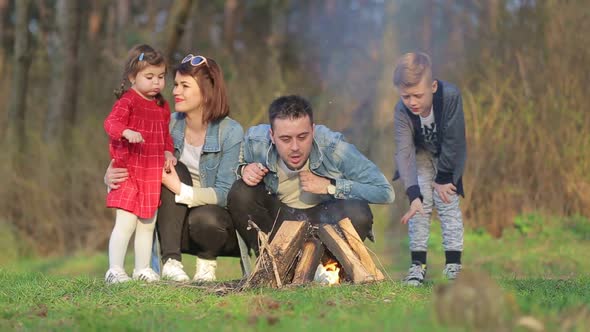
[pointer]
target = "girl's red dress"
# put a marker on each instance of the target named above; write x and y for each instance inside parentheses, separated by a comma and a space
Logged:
(140, 193)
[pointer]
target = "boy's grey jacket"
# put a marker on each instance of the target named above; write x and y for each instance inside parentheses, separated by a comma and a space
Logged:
(220, 154)
(331, 157)
(450, 145)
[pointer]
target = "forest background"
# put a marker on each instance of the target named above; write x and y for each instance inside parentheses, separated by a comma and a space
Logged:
(521, 65)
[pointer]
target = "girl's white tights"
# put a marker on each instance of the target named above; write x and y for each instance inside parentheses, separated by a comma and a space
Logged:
(125, 224)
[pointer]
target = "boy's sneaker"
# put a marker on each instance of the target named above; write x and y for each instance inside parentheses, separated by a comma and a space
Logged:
(173, 270)
(147, 275)
(205, 270)
(452, 270)
(416, 274)
(116, 275)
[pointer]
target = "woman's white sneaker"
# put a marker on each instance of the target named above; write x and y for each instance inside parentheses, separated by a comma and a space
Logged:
(173, 270)
(147, 275)
(116, 275)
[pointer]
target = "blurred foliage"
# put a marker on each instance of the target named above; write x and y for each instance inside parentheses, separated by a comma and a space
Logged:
(520, 65)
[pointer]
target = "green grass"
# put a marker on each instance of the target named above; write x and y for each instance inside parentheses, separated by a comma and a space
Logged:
(34, 301)
(538, 246)
(537, 271)
(37, 301)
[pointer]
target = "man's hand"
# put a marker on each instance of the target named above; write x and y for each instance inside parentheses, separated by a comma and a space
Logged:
(113, 176)
(171, 180)
(132, 136)
(170, 161)
(415, 206)
(445, 191)
(312, 183)
(253, 173)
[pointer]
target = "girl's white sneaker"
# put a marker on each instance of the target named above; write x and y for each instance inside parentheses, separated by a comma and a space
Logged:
(116, 275)
(147, 275)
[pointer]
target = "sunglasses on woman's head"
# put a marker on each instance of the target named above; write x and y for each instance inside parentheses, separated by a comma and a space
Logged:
(195, 60)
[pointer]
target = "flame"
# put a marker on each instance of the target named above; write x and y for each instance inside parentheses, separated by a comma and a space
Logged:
(332, 266)
(328, 273)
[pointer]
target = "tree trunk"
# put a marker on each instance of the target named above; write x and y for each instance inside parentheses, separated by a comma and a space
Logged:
(176, 26)
(3, 7)
(427, 26)
(456, 49)
(492, 15)
(55, 45)
(122, 23)
(489, 15)
(70, 27)
(277, 42)
(45, 16)
(22, 63)
(65, 73)
(382, 129)
(95, 18)
(230, 23)
(152, 12)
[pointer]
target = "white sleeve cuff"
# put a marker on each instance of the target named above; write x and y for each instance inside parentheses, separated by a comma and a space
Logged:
(186, 195)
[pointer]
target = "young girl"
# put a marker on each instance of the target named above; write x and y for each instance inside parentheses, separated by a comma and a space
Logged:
(139, 141)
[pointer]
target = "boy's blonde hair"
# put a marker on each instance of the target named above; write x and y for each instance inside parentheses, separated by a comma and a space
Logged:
(411, 69)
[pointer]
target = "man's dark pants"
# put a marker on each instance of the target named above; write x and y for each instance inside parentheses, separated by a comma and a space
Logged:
(268, 212)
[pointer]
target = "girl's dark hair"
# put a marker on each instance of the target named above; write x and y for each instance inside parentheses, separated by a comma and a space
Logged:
(212, 85)
(136, 62)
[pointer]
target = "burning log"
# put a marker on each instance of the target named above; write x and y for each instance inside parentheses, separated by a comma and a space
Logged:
(298, 252)
(277, 257)
(313, 250)
(344, 254)
(356, 244)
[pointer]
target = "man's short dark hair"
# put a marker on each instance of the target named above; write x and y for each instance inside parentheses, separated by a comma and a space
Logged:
(289, 107)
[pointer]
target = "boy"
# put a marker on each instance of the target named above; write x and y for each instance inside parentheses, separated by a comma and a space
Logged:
(430, 157)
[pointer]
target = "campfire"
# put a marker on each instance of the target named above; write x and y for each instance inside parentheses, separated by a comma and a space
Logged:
(301, 253)
(328, 273)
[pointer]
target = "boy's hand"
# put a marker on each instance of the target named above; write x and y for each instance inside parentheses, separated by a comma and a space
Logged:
(170, 161)
(132, 136)
(445, 191)
(415, 206)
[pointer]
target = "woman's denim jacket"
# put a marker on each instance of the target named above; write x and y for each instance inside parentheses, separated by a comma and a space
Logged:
(220, 154)
(331, 157)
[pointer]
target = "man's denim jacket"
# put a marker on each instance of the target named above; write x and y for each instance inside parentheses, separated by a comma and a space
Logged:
(331, 157)
(220, 154)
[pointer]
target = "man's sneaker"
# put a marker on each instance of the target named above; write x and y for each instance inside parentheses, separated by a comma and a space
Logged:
(173, 270)
(147, 275)
(416, 274)
(116, 275)
(451, 271)
(205, 270)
